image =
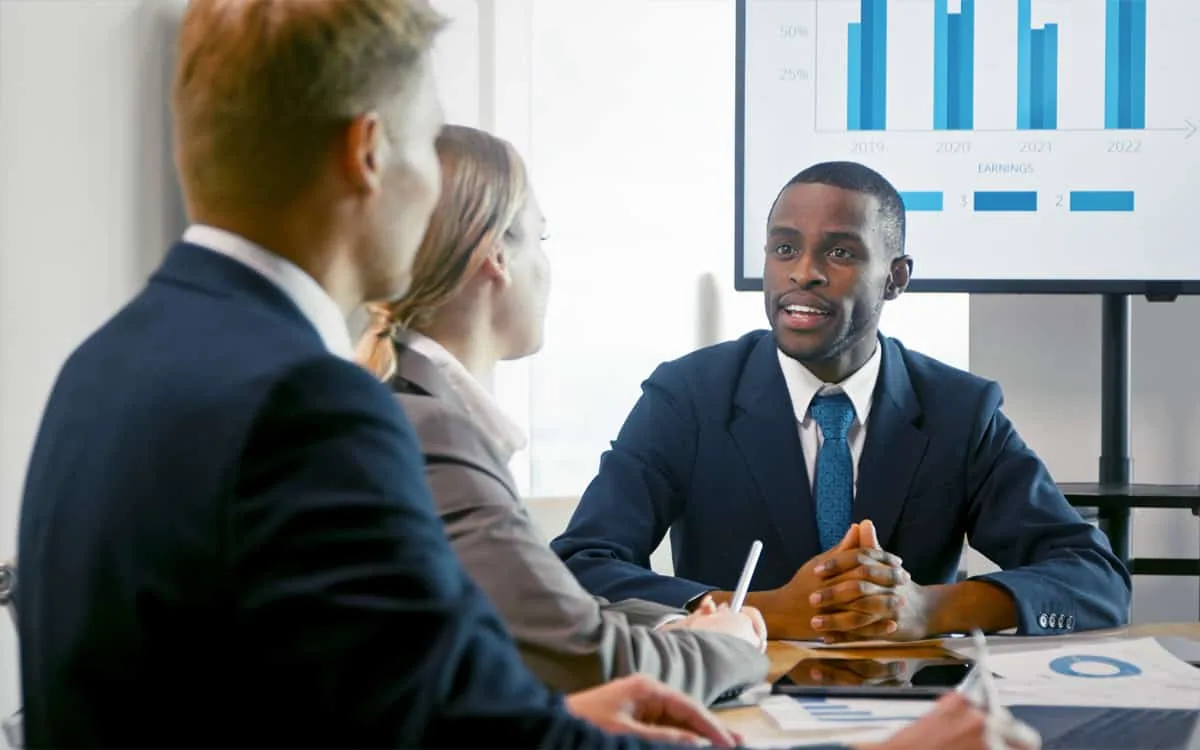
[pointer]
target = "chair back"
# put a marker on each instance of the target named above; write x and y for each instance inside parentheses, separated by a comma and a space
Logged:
(14, 726)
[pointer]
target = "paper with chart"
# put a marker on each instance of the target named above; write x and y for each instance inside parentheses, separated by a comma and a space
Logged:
(870, 720)
(1137, 673)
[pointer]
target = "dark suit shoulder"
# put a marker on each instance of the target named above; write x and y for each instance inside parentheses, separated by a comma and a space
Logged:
(716, 359)
(191, 343)
(330, 383)
(713, 371)
(935, 382)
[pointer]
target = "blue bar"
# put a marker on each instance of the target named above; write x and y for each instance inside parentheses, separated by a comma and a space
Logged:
(1125, 68)
(966, 58)
(1136, 15)
(941, 65)
(1112, 67)
(1125, 64)
(1005, 200)
(953, 87)
(1101, 200)
(854, 83)
(867, 71)
(1024, 65)
(922, 200)
(1037, 79)
(1050, 76)
(879, 63)
(873, 46)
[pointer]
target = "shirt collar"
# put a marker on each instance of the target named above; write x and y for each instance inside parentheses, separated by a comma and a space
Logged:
(313, 301)
(481, 405)
(803, 386)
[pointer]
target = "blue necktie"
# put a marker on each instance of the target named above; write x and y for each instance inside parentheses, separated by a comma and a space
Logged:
(835, 468)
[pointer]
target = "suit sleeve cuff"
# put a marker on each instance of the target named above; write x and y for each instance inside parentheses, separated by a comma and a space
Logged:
(1039, 611)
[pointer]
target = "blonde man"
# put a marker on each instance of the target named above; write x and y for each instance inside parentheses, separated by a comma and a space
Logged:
(225, 538)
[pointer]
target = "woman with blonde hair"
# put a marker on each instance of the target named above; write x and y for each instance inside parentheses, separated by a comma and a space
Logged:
(478, 296)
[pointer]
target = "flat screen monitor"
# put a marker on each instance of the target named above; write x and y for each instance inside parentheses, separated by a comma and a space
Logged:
(1038, 145)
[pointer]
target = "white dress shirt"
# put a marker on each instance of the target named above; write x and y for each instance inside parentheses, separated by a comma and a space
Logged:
(803, 386)
(314, 302)
(482, 408)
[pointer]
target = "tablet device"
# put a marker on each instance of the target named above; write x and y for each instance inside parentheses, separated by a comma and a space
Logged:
(926, 679)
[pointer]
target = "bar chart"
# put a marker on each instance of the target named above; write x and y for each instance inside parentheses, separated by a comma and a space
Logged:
(1011, 124)
(1037, 74)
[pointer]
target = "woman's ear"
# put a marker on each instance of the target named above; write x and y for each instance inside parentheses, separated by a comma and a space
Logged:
(495, 264)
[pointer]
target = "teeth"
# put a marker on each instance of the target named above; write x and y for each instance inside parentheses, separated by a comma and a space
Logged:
(804, 309)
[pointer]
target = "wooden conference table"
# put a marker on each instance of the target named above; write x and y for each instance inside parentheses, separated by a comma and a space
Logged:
(754, 724)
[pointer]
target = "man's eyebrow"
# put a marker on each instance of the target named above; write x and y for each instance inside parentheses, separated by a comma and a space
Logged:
(843, 234)
(777, 230)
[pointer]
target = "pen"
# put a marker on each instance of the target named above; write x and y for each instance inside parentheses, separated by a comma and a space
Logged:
(978, 686)
(743, 584)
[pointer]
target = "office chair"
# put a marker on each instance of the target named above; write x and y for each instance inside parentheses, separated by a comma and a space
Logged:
(14, 726)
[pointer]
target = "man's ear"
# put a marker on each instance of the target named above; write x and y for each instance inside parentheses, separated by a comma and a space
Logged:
(364, 153)
(898, 277)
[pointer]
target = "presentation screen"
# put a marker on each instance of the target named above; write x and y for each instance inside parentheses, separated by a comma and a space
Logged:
(1039, 145)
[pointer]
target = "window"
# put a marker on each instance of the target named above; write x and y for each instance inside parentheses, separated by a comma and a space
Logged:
(627, 126)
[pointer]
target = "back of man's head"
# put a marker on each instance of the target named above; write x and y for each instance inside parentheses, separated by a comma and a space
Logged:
(263, 88)
(858, 178)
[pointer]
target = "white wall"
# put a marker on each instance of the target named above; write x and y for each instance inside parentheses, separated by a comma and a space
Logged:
(87, 203)
(1045, 352)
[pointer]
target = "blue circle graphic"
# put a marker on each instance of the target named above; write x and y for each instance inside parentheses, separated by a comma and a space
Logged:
(1065, 665)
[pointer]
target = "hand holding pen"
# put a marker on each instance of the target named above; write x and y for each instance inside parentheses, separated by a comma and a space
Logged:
(734, 618)
(969, 719)
(979, 687)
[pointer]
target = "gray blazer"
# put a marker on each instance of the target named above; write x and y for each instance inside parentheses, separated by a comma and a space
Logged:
(570, 639)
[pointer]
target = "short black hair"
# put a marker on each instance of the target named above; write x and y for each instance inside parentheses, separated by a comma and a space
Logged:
(850, 175)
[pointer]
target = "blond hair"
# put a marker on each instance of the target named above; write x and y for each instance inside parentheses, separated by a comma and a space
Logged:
(263, 87)
(483, 192)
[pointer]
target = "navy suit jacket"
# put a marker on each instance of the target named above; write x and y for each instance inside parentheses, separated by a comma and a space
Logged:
(226, 541)
(712, 452)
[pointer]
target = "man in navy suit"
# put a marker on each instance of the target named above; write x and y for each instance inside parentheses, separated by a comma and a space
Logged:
(860, 465)
(226, 539)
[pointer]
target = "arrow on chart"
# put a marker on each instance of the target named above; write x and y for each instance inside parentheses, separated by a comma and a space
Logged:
(1190, 127)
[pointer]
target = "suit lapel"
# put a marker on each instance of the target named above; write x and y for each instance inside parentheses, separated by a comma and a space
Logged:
(893, 449)
(765, 432)
(417, 376)
(416, 373)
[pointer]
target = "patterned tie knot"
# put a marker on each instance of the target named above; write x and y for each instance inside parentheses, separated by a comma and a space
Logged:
(834, 413)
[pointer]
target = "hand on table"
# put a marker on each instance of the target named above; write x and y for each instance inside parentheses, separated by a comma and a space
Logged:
(642, 706)
(866, 597)
(955, 724)
(791, 609)
(747, 624)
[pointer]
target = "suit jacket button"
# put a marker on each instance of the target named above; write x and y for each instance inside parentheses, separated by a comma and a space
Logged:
(1070, 622)
(1043, 620)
